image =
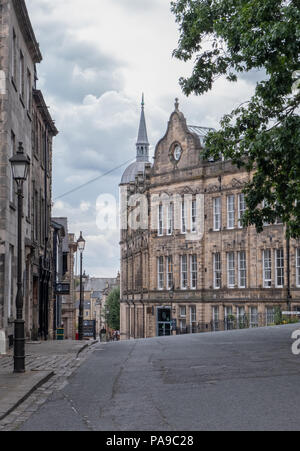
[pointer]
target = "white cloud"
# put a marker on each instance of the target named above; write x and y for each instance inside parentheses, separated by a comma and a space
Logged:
(85, 206)
(98, 59)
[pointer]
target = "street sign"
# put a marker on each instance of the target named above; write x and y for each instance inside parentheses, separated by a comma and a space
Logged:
(62, 288)
(89, 329)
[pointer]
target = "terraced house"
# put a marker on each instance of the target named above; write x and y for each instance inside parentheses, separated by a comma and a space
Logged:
(187, 263)
(25, 123)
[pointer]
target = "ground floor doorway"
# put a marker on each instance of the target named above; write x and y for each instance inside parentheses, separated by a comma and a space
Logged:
(164, 322)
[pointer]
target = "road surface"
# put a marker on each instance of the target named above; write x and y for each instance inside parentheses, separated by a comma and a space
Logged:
(239, 380)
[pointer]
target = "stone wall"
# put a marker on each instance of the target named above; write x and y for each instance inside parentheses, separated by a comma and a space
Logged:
(140, 249)
(20, 115)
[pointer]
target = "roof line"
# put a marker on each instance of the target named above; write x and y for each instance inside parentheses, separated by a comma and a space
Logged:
(27, 30)
(39, 98)
(200, 126)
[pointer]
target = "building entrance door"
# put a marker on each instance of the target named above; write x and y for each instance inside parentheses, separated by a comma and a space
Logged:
(164, 321)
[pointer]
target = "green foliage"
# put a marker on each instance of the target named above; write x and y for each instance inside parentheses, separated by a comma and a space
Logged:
(76, 283)
(278, 316)
(113, 307)
(230, 37)
(290, 320)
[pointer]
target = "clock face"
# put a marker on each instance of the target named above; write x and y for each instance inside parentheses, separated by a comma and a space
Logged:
(177, 152)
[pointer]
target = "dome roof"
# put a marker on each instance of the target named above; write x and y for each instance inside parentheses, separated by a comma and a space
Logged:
(132, 171)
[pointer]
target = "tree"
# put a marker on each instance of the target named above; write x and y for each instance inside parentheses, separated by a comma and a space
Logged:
(113, 308)
(231, 37)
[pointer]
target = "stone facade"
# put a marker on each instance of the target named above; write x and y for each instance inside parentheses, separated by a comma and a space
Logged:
(69, 303)
(24, 118)
(96, 291)
(64, 249)
(192, 267)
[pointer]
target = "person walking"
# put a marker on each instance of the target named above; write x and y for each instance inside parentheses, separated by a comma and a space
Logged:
(102, 335)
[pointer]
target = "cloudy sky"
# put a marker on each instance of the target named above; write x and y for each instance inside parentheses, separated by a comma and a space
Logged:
(99, 56)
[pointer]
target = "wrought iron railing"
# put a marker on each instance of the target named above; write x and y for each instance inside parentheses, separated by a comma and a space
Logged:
(236, 323)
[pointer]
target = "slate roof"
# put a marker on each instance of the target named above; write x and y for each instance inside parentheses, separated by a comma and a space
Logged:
(97, 284)
(64, 223)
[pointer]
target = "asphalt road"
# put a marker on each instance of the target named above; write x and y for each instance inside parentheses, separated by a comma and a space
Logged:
(240, 380)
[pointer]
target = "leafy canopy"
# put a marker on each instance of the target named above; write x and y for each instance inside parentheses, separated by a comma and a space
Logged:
(231, 37)
(113, 307)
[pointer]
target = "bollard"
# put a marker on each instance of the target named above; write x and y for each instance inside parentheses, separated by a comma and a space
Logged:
(60, 333)
(2, 342)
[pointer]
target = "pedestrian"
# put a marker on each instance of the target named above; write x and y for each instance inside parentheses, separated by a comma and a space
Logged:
(102, 334)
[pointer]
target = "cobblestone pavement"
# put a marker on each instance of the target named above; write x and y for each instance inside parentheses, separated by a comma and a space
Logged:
(63, 367)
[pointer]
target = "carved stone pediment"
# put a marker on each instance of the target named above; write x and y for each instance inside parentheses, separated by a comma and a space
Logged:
(213, 188)
(236, 183)
(186, 190)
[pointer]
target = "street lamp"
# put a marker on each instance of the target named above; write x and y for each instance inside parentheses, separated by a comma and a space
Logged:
(20, 165)
(81, 246)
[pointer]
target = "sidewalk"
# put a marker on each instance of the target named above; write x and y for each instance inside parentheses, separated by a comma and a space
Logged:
(43, 360)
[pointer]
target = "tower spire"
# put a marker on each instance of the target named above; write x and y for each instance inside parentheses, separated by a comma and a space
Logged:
(142, 145)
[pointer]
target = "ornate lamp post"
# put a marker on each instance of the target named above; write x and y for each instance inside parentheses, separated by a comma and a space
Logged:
(20, 165)
(81, 246)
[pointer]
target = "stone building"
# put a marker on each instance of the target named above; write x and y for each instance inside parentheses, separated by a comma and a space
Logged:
(187, 264)
(60, 249)
(96, 291)
(24, 118)
(64, 299)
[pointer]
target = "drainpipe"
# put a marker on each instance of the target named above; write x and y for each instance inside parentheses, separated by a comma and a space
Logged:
(134, 313)
(47, 269)
(288, 252)
(55, 256)
(129, 325)
(143, 304)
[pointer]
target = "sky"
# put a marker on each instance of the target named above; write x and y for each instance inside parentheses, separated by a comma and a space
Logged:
(99, 56)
